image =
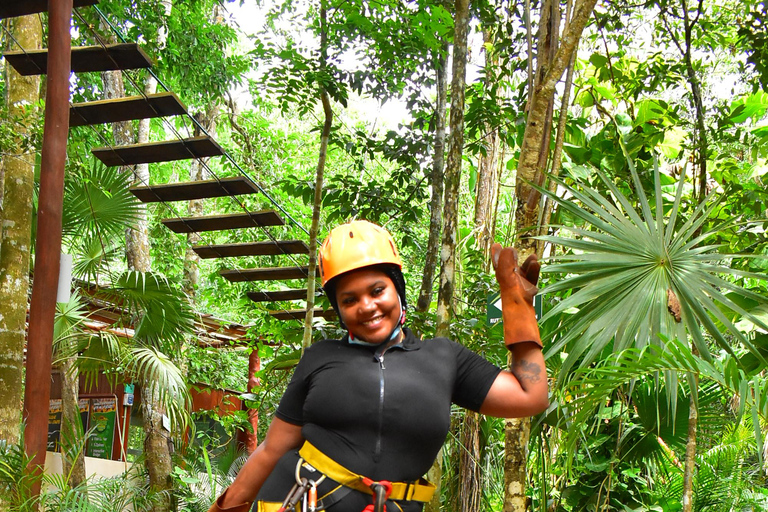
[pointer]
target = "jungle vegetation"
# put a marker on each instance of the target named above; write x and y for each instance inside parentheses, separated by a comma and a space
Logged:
(626, 143)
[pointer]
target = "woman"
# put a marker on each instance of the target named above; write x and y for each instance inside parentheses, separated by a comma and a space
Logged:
(364, 417)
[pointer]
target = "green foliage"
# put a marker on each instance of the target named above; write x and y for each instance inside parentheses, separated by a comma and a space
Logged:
(752, 30)
(626, 265)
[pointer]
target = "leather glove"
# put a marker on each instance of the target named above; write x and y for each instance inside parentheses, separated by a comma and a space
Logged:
(216, 507)
(517, 285)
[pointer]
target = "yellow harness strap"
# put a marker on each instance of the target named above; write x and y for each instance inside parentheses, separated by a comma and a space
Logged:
(420, 490)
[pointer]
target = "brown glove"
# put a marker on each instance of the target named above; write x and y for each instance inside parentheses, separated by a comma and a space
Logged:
(518, 287)
(216, 507)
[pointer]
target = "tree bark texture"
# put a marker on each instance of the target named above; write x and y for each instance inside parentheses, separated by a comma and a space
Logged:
(197, 172)
(470, 468)
(19, 169)
(137, 238)
(487, 187)
(557, 154)
(553, 57)
(137, 255)
(453, 170)
(436, 180)
(689, 472)
(517, 432)
(72, 435)
(530, 169)
(451, 201)
(157, 449)
(318, 199)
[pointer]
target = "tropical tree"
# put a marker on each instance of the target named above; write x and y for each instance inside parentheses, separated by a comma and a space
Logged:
(20, 141)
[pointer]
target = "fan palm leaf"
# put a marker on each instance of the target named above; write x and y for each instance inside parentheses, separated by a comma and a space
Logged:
(98, 203)
(623, 267)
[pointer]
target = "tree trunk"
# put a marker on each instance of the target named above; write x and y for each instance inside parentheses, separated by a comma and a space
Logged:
(538, 125)
(197, 168)
(700, 133)
(557, 154)
(315, 228)
(488, 168)
(453, 170)
(72, 435)
(451, 204)
(15, 242)
(157, 449)
(689, 472)
(553, 56)
(470, 468)
(436, 180)
(157, 439)
(517, 432)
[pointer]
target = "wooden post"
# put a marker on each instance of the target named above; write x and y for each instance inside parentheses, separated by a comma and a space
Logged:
(48, 244)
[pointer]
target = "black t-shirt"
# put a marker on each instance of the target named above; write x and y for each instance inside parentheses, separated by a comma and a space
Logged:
(384, 417)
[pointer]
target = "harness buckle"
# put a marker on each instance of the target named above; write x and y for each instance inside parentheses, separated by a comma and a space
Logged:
(381, 491)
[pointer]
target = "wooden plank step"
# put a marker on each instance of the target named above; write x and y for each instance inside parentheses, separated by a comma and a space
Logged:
(221, 222)
(269, 248)
(299, 314)
(275, 296)
(84, 58)
(126, 109)
(13, 8)
(189, 190)
(153, 152)
(264, 274)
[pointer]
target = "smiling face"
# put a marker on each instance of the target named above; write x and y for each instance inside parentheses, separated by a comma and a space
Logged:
(368, 304)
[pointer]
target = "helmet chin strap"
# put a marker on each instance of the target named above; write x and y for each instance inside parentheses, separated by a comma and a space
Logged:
(394, 334)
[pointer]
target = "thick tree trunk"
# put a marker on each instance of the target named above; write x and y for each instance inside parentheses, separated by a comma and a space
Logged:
(157, 450)
(436, 180)
(72, 435)
(557, 154)
(517, 432)
(18, 168)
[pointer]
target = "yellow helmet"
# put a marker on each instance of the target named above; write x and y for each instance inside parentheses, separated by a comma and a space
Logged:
(355, 245)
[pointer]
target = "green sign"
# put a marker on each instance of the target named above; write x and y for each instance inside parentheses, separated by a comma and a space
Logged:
(493, 314)
(102, 427)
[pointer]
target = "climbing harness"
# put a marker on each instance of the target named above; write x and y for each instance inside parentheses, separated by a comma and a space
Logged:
(419, 490)
(305, 489)
(381, 491)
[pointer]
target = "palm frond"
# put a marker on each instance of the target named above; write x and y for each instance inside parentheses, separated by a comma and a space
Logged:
(160, 310)
(622, 264)
(98, 203)
(160, 378)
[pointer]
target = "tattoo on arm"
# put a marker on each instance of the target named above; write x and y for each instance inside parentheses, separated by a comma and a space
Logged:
(526, 371)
